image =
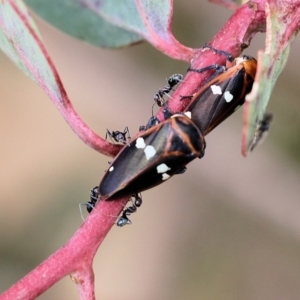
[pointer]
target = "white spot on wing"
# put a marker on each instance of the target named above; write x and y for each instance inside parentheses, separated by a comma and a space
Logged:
(162, 168)
(188, 114)
(111, 169)
(228, 96)
(149, 151)
(216, 90)
(165, 176)
(140, 143)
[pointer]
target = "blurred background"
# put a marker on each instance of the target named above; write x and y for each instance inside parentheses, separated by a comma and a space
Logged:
(229, 228)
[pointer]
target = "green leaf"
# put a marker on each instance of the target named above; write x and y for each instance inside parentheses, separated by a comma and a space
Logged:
(115, 23)
(79, 19)
(282, 27)
(20, 41)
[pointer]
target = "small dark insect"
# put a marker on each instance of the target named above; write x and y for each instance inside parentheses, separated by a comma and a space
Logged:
(153, 157)
(172, 81)
(119, 136)
(94, 195)
(153, 121)
(262, 130)
(123, 219)
(223, 95)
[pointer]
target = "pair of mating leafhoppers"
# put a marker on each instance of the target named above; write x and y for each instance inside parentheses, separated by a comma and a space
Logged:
(164, 149)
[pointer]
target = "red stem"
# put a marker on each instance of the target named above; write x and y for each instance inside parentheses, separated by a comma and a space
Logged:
(74, 258)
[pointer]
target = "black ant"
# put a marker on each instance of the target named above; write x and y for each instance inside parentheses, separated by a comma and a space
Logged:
(153, 121)
(119, 136)
(172, 81)
(94, 195)
(123, 219)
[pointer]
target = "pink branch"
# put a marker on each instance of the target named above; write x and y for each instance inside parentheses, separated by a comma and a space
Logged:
(74, 258)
